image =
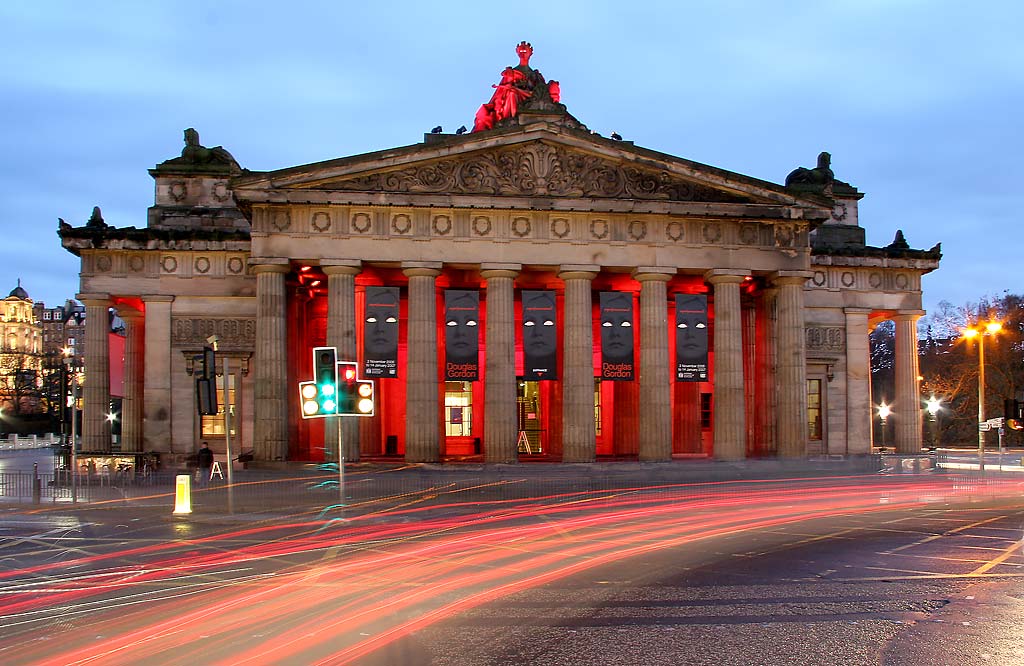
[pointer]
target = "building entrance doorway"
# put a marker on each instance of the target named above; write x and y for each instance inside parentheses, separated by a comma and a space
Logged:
(528, 404)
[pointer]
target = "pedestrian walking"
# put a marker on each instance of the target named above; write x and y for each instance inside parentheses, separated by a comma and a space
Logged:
(205, 460)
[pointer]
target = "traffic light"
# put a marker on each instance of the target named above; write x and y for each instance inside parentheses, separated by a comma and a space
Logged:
(206, 396)
(209, 363)
(320, 396)
(336, 388)
(1013, 414)
(355, 396)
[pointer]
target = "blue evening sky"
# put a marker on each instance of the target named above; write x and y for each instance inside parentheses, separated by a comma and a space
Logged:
(918, 101)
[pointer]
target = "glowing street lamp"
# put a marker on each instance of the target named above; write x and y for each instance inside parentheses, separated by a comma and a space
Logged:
(980, 330)
(933, 405)
(884, 411)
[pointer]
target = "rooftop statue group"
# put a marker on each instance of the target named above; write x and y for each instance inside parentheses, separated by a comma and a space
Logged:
(520, 86)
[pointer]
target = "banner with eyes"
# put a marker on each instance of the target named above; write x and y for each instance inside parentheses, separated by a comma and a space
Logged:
(617, 336)
(540, 336)
(461, 335)
(691, 338)
(380, 333)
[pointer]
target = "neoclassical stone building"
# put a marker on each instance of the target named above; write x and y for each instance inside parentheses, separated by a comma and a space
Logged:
(775, 281)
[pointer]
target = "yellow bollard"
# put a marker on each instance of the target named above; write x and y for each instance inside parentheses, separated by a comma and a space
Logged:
(183, 494)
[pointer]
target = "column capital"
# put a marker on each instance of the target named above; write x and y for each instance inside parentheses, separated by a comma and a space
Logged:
(653, 273)
(341, 266)
(129, 314)
(780, 278)
(578, 271)
(493, 273)
(908, 315)
(492, 266)
(270, 265)
(339, 269)
(94, 299)
(421, 268)
(726, 276)
(157, 298)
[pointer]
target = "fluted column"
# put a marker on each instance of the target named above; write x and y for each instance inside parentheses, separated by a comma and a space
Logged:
(131, 404)
(907, 406)
(768, 397)
(655, 396)
(270, 421)
(728, 407)
(96, 391)
(858, 381)
(500, 422)
(579, 437)
(422, 437)
(791, 364)
(341, 333)
(156, 400)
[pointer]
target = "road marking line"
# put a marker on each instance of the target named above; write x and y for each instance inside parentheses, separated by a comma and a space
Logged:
(996, 561)
(939, 536)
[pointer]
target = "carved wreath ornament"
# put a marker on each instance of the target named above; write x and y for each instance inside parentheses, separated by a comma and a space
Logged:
(536, 169)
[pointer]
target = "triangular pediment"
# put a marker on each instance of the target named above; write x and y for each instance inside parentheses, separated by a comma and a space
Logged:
(533, 169)
(527, 162)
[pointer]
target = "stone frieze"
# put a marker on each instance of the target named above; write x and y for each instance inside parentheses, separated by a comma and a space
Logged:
(825, 338)
(235, 333)
(536, 169)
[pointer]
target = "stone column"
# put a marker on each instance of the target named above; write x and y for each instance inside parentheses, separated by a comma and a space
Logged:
(767, 400)
(422, 436)
(131, 404)
(858, 381)
(579, 437)
(270, 421)
(156, 396)
(96, 391)
(341, 333)
(728, 407)
(655, 396)
(907, 406)
(791, 363)
(500, 422)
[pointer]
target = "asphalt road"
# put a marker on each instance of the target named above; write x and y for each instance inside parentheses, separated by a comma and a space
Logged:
(851, 570)
(937, 585)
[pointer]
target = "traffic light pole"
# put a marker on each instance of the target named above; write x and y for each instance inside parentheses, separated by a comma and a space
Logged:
(227, 436)
(341, 463)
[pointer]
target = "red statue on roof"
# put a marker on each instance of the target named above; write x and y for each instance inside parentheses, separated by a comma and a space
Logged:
(518, 86)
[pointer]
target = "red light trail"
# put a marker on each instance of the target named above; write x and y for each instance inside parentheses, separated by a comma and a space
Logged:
(332, 592)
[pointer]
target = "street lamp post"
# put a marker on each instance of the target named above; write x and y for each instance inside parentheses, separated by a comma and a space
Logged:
(933, 405)
(980, 331)
(883, 413)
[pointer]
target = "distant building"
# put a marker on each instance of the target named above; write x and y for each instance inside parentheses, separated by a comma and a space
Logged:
(527, 287)
(21, 354)
(63, 328)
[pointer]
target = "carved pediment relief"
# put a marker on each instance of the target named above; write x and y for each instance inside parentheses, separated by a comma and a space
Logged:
(535, 169)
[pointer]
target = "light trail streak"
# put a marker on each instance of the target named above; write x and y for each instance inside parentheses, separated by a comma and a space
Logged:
(387, 580)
